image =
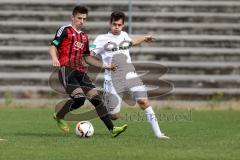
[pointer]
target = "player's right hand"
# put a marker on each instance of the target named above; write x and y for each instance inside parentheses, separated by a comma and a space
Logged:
(149, 38)
(112, 67)
(55, 63)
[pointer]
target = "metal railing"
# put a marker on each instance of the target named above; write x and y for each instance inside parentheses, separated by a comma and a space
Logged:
(130, 17)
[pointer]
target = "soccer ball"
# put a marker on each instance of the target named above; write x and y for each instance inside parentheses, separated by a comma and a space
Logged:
(84, 129)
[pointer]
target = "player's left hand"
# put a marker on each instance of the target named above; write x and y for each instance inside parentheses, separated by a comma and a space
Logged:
(149, 38)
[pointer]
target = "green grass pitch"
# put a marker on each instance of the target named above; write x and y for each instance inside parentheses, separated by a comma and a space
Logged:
(195, 134)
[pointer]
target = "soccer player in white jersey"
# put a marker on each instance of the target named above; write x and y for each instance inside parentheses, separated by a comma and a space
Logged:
(113, 48)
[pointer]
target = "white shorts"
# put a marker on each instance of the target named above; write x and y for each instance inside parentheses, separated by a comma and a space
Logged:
(113, 99)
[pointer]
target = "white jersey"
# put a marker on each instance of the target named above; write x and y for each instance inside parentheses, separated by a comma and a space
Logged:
(115, 48)
(108, 45)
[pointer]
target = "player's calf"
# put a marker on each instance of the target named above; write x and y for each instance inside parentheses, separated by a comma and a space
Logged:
(102, 112)
(151, 117)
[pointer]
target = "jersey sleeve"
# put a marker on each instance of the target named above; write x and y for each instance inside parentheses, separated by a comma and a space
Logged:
(59, 36)
(127, 37)
(97, 46)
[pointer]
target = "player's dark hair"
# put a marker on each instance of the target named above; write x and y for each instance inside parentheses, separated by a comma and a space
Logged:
(117, 15)
(79, 9)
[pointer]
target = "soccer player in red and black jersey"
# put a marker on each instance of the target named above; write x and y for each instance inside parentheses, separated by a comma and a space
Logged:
(69, 50)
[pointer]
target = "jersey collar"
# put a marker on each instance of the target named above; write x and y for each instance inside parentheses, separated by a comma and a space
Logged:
(70, 25)
(110, 33)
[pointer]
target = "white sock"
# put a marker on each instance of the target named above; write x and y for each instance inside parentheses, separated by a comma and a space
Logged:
(151, 118)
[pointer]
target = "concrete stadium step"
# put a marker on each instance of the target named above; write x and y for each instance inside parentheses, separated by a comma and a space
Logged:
(31, 79)
(24, 78)
(28, 15)
(203, 81)
(199, 68)
(179, 81)
(25, 65)
(195, 54)
(205, 41)
(192, 81)
(214, 94)
(24, 52)
(49, 27)
(140, 53)
(185, 68)
(208, 41)
(25, 39)
(28, 92)
(101, 5)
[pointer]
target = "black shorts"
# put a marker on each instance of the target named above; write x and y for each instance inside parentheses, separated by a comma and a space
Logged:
(72, 79)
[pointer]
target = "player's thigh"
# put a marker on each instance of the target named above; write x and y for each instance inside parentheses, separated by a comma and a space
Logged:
(140, 96)
(115, 116)
(112, 98)
(113, 103)
(68, 78)
(108, 87)
(139, 92)
(87, 86)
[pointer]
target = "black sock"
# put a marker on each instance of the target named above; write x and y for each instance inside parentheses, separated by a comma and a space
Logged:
(70, 105)
(102, 111)
(65, 109)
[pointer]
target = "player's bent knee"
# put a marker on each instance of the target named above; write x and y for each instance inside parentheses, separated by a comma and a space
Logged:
(115, 116)
(92, 94)
(96, 100)
(143, 102)
(78, 101)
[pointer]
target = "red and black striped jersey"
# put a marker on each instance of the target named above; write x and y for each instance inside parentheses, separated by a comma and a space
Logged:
(71, 46)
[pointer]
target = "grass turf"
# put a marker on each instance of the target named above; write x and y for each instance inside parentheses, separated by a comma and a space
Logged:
(195, 134)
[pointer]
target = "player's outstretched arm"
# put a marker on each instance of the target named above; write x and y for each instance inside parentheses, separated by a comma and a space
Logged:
(91, 60)
(139, 39)
(53, 53)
